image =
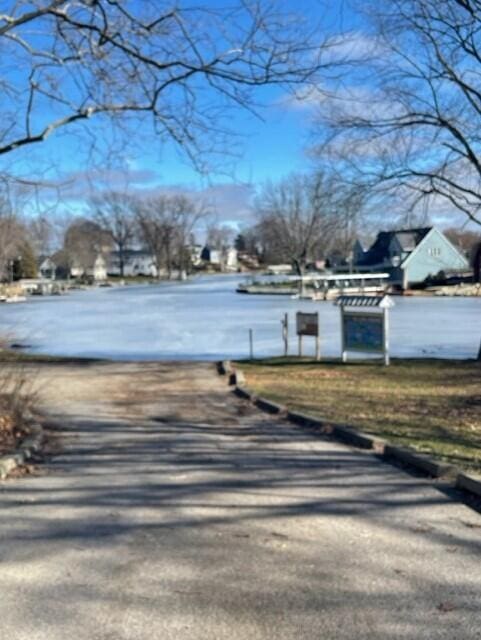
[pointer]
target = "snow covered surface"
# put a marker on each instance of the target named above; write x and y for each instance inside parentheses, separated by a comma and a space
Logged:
(205, 319)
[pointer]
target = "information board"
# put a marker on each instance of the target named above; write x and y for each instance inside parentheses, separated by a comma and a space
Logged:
(363, 331)
(307, 324)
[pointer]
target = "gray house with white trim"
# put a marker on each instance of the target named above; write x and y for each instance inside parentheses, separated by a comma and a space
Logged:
(411, 255)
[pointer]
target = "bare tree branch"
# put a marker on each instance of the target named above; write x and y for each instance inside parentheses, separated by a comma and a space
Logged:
(64, 63)
(419, 125)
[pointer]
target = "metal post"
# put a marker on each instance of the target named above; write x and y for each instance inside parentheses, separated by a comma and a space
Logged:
(285, 333)
(318, 339)
(251, 344)
(343, 336)
(300, 346)
(386, 336)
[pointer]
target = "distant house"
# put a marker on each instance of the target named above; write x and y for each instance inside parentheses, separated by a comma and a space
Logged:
(213, 256)
(47, 268)
(247, 261)
(279, 269)
(55, 267)
(99, 269)
(410, 255)
(231, 259)
(96, 270)
(196, 254)
(137, 262)
(225, 259)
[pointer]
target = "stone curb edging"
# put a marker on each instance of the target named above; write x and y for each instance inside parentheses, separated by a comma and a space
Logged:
(342, 432)
(422, 462)
(471, 484)
(350, 435)
(28, 447)
(224, 367)
(270, 407)
(244, 393)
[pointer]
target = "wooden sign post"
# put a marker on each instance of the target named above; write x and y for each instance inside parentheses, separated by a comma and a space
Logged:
(307, 324)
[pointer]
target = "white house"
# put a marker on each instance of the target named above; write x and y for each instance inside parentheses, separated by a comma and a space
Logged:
(196, 254)
(136, 263)
(230, 259)
(223, 258)
(97, 270)
(47, 268)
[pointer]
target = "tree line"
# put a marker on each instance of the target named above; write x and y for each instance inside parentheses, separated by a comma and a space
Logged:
(163, 225)
(298, 220)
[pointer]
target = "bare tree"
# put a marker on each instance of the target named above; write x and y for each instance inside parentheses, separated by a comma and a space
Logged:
(155, 230)
(166, 224)
(114, 214)
(12, 235)
(219, 237)
(299, 217)
(84, 240)
(414, 128)
(187, 213)
(65, 62)
(42, 234)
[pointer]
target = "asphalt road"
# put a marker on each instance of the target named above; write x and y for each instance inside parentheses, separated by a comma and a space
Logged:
(173, 510)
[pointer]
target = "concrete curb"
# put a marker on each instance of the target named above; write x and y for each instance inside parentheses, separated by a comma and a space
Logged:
(471, 484)
(237, 378)
(345, 433)
(244, 392)
(303, 419)
(359, 439)
(224, 367)
(350, 435)
(29, 446)
(270, 407)
(420, 461)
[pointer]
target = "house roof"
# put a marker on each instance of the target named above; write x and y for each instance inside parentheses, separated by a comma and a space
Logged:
(408, 239)
(43, 258)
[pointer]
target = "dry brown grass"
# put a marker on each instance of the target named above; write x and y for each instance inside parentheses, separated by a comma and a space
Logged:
(431, 405)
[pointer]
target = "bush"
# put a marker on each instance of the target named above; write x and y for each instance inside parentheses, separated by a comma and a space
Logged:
(17, 395)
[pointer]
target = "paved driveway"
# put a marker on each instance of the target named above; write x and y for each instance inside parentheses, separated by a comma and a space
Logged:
(176, 511)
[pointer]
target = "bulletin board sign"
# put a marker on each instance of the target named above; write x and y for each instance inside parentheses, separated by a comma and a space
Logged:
(363, 331)
(366, 328)
(307, 324)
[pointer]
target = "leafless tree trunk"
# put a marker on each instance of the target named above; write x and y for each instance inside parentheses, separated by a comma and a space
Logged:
(12, 234)
(42, 232)
(151, 217)
(187, 215)
(84, 241)
(299, 217)
(114, 213)
(166, 224)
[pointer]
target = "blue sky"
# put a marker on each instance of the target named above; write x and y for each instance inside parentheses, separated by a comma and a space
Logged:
(268, 147)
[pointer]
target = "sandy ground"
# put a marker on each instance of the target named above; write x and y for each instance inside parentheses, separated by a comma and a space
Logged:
(173, 510)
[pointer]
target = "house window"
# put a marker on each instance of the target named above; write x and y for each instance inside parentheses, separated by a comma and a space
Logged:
(435, 252)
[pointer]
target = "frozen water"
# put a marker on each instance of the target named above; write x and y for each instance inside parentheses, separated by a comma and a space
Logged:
(205, 319)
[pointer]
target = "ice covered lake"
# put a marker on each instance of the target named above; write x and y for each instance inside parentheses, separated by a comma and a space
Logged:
(206, 319)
